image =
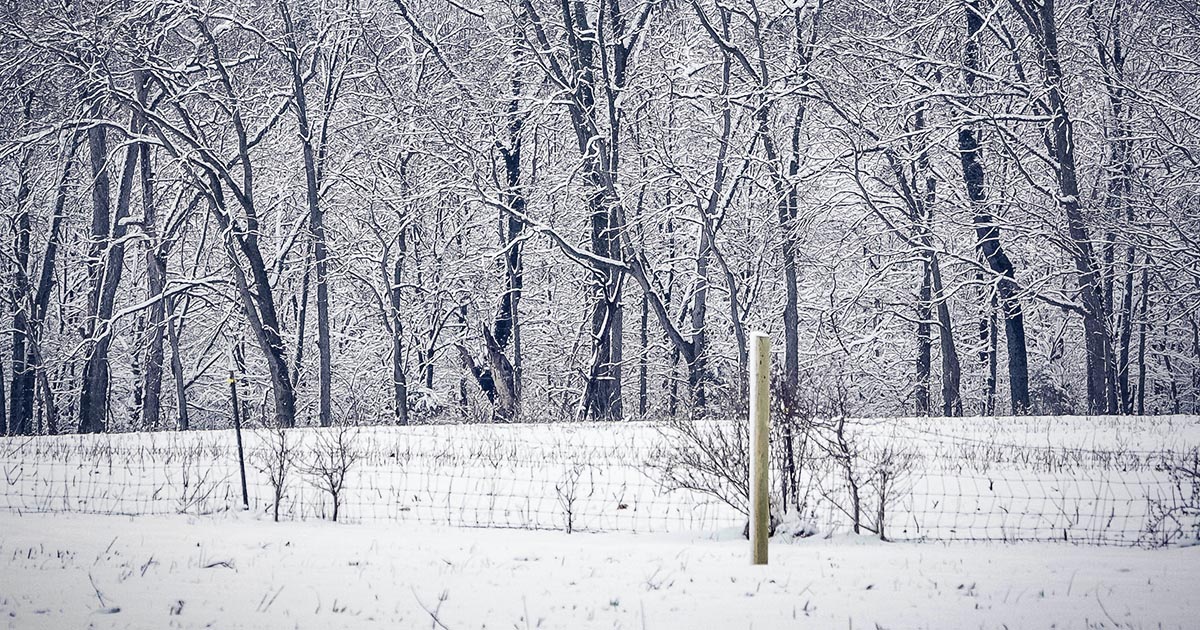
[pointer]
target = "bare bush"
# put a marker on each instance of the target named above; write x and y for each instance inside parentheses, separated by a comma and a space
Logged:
(792, 434)
(711, 458)
(330, 461)
(276, 461)
(893, 466)
(196, 487)
(1175, 518)
(844, 449)
(568, 492)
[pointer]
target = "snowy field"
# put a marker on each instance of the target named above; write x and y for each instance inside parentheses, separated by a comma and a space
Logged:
(457, 527)
(240, 571)
(1082, 480)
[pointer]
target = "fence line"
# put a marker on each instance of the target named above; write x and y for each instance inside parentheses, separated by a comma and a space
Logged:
(611, 478)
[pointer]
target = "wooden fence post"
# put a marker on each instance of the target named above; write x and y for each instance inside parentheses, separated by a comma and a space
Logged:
(760, 409)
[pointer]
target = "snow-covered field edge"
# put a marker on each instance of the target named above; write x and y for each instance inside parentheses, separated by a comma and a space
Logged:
(1094, 480)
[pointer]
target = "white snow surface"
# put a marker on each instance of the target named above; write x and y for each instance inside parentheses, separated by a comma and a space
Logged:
(237, 570)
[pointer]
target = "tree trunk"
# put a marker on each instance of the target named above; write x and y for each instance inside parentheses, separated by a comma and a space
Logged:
(92, 417)
(1119, 192)
(1195, 365)
(177, 369)
(597, 132)
(258, 302)
(987, 232)
(643, 360)
(156, 279)
(108, 262)
(951, 367)
(21, 419)
(1039, 18)
(503, 378)
(300, 313)
(313, 157)
(1143, 324)
(697, 368)
(399, 378)
(988, 334)
(1126, 335)
(49, 409)
(924, 339)
(27, 363)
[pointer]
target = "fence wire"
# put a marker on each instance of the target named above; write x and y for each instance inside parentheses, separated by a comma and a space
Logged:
(952, 483)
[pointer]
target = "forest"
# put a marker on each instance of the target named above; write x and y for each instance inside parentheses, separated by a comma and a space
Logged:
(316, 212)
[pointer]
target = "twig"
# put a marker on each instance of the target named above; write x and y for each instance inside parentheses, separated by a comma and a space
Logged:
(433, 614)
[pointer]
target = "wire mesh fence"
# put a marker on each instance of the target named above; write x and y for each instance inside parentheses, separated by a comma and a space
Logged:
(957, 482)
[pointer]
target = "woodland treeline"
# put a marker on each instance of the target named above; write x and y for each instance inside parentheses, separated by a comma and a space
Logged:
(403, 211)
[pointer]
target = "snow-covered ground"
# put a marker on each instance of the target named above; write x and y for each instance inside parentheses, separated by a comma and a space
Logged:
(240, 571)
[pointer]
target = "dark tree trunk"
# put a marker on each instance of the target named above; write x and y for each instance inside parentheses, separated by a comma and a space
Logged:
(597, 132)
(644, 360)
(1195, 366)
(49, 409)
(313, 158)
(107, 265)
(1126, 336)
(786, 211)
(156, 280)
(399, 377)
(922, 215)
(791, 301)
(92, 415)
(1143, 325)
(1166, 357)
(924, 340)
(19, 293)
(1111, 55)
(697, 368)
(177, 368)
(1039, 17)
(500, 378)
(300, 313)
(27, 362)
(258, 301)
(602, 391)
(394, 278)
(494, 377)
(951, 367)
(988, 333)
(987, 232)
(788, 208)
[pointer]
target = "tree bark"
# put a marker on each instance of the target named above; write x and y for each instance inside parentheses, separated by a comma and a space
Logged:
(951, 367)
(924, 340)
(1039, 17)
(922, 211)
(21, 420)
(177, 368)
(156, 280)
(580, 71)
(987, 231)
(258, 301)
(108, 262)
(1143, 325)
(1195, 365)
(27, 364)
(313, 158)
(399, 377)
